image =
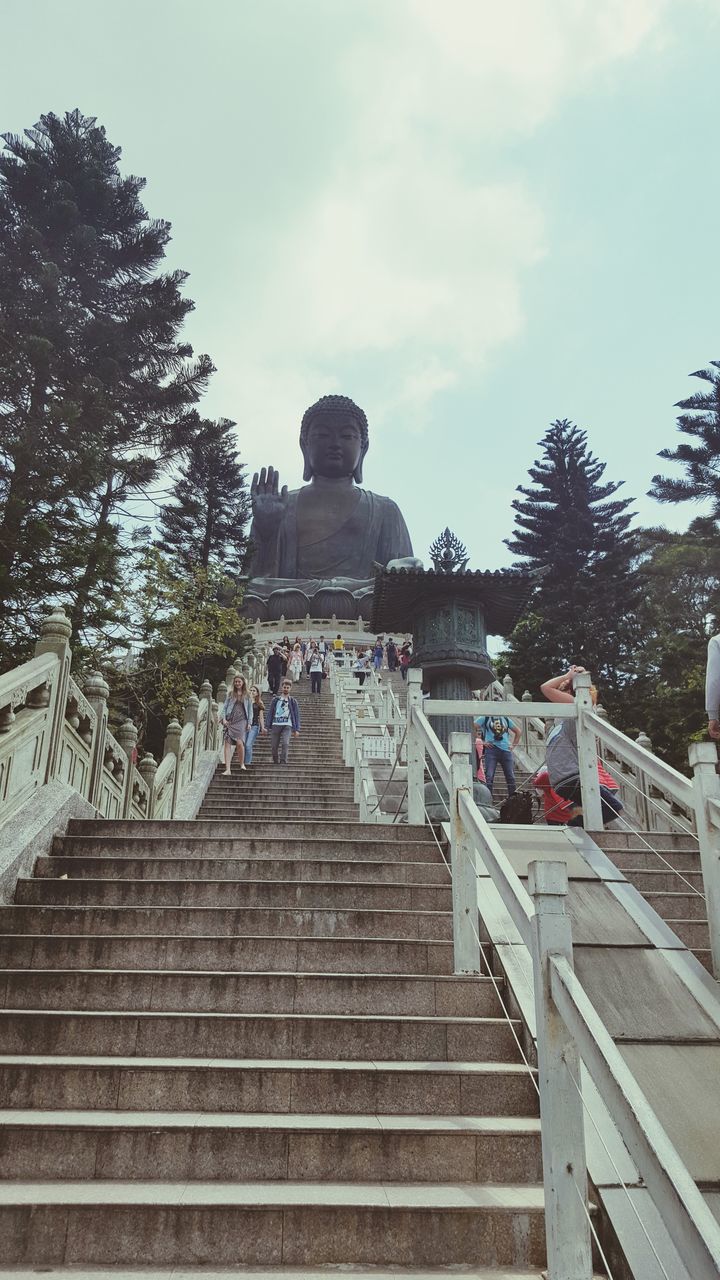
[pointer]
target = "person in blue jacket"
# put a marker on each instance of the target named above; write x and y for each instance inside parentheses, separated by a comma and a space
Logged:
(283, 719)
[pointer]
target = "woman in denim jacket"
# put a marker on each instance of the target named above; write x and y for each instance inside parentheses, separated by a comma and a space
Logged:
(236, 719)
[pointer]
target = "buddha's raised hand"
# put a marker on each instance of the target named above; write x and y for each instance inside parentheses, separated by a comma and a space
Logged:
(267, 503)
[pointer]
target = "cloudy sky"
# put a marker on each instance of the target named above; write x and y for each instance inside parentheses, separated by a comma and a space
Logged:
(471, 217)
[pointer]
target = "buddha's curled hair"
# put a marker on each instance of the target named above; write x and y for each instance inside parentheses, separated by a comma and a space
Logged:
(333, 404)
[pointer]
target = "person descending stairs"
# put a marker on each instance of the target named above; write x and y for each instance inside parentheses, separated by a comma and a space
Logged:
(238, 1042)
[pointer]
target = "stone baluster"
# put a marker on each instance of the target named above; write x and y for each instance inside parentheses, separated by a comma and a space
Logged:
(508, 688)
(147, 768)
(55, 633)
(127, 739)
(171, 746)
(206, 695)
(192, 708)
(97, 692)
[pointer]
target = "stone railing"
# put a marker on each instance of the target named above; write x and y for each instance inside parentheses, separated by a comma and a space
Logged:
(53, 730)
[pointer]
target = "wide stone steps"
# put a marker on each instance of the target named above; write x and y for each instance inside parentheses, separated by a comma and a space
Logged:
(279, 1086)
(237, 1045)
(271, 1223)
(208, 953)
(217, 1146)
(235, 893)
(248, 992)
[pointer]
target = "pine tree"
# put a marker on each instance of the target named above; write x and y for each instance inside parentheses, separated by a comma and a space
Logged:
(97, 386)
(569, 523)
(205, 526)
(700, 420)
(678, 611)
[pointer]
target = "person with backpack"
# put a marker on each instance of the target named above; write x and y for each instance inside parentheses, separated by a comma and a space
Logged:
(500, 736)
(392, 654)
(274, 667)
(283, 719)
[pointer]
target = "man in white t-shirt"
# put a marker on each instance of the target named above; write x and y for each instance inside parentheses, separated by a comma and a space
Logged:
(283, 718)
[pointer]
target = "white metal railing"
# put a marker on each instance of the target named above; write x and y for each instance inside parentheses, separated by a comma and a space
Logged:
(568, 1027)
(51, 728)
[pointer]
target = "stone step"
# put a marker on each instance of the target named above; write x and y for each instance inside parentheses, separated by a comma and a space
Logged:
(259, 788)
(236, 921)
(107, 1145)
(255, 1035)
(694, 933)
(222, 829)
(664, 841)
(651, 881)
(630, 861)
(248, 846)
(678, 906)
(295, 869)
(259, 812)
(281, 1086)
(247, 954)
(356, 895)
(268, 1223)
(272, 1273)
(181, 991)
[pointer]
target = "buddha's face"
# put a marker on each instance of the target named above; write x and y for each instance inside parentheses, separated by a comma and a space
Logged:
(334, 447)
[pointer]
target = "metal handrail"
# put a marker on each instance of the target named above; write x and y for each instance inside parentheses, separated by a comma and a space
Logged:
(690, 1223)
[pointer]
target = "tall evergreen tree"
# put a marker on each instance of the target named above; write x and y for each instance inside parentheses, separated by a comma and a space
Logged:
(700, 420)
(569, 523)
(205, 526)
(96, 384)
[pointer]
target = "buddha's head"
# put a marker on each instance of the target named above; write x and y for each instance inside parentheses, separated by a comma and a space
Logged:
(334, 439)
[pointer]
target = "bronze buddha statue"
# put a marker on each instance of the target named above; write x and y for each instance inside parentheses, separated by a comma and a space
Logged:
(330, 531)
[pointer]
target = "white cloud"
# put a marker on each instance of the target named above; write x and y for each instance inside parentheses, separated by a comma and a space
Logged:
(409, 254)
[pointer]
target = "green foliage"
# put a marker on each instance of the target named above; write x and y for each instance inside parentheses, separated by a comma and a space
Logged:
(700, 420)
(96, 385)
(679, 610)
(569, 523)
(187, 631)
(206, 522)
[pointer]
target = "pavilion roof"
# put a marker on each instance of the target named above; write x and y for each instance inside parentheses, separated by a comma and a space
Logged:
(502, 593)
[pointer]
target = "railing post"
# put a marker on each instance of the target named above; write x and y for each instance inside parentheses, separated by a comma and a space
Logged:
(415, 753)
(706, 785)
(127, 739)
(97, 692)
(587, 755)
(567, 1226)
(55, 633)
(466, 948)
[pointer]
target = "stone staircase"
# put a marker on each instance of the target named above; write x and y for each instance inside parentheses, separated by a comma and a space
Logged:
(665, 869)
(237, 1043)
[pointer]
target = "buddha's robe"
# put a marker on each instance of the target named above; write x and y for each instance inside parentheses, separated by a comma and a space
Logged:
(374, 533)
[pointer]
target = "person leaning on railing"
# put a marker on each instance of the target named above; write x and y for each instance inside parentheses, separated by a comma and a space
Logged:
(561, 753)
